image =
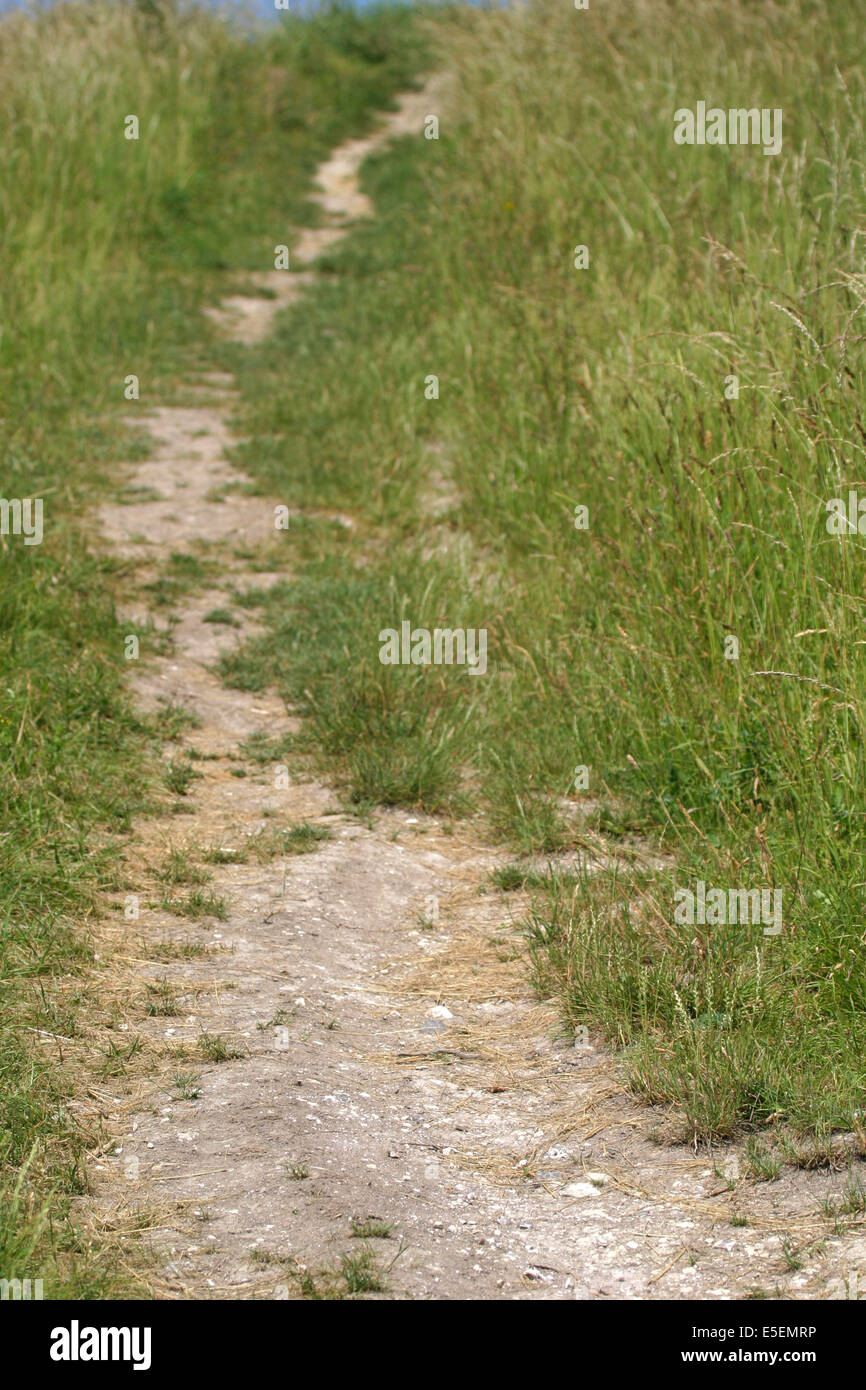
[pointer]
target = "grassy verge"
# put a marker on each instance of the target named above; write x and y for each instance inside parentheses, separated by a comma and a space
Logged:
(109, 246)
(611, 388)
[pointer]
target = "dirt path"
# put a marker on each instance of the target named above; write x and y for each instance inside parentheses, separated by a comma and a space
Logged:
(392, 1068)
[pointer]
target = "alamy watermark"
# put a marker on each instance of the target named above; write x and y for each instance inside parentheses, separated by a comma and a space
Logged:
(729, 907)
(737, 126)
(25, 1290)
(77, 1343)
(441, 647)
(850, 521)
(22, 516)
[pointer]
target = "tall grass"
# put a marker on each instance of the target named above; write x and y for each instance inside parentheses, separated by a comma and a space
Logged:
(108, 247)
(606, 387)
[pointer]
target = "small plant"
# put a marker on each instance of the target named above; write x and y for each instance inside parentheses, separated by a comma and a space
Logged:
(298, 839)
(196, 905)
(361, 1273)
(508, 878)
(179, 869)
(260, 1256)
(853, 1201)
(356, 1274)
(175, 950)
(221, 854)
(179, 774)
(762, 1163)
(163, 1002)
(222, 615)
(216, 1049)
(186, 1085)
(173, 718)
(371, 1228)
(117, 1057)
(282, 1016)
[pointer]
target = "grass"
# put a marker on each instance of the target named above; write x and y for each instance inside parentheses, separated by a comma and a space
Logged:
(215, 1048)
(222, 615)
(110, 248)
(616, 708)
(196, 905)
(371, 1228)
(303, 838)
(186, 1085)
(163, 1000)
(509, 878)
(356, 1274)
(179, 775)
(737, 763)
(179, 868)
(173, 719)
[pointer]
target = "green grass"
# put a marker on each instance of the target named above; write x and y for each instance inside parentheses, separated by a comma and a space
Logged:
(163, 999)
(196, 905)
(302, 838)
(558, 388)
(179, 868)
(186, 1085)
(179, 775)
(215, 1048)
(222, 615)
(110, 247)
(371, 1228)
(605, 388)
(356, 1274)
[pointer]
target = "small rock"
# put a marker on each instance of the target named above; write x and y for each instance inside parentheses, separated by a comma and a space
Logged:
(579, 1189)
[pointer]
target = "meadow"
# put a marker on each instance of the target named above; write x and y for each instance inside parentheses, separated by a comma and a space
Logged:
(624, 478)
(109, 248)
(648, 362)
